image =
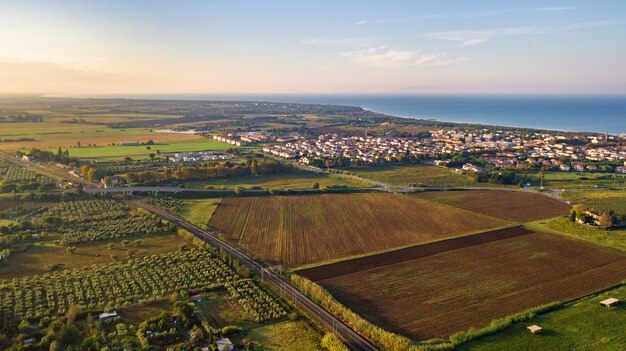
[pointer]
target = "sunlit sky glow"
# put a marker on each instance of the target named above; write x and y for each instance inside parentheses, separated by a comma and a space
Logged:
(78, 47)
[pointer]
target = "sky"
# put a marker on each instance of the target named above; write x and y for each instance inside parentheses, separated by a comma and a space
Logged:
(327, 47)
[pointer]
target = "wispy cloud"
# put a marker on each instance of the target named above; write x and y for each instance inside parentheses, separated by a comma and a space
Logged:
(474, 37)
(359, 41)
(485, 13)
(383, 57)
(30, 57)
(593, 24)
(501, 11)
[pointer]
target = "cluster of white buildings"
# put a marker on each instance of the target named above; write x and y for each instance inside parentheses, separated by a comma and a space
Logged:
(198, 156)
(356, 148)
(243, 139)
(182, 131)
(504, 148)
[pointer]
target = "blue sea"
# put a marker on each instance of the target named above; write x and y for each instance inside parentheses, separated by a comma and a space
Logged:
(592, 113)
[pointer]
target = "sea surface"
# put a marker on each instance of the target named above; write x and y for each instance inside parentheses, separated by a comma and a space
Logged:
(591, 113)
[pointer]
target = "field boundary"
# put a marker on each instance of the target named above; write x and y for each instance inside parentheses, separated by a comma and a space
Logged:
(541, 225)
(396, 256)
(392, 249)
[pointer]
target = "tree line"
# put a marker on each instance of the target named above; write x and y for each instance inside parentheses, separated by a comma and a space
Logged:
(220, 170)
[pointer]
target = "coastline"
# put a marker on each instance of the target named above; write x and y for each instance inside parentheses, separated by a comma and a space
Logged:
(564, 113)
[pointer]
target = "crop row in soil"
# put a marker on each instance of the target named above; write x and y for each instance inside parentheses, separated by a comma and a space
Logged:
(518, 206)
(299, 230)
(409, 253)
(436, 295)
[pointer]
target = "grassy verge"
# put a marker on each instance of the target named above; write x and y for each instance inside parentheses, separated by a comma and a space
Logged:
(602, 200)
(613, 238)
(386, 340)
(292, 180)
(577, 180)
(198, 212)
(287, 335)
(582, 325)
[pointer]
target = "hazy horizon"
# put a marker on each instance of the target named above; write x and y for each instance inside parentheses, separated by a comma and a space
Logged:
(279, 47)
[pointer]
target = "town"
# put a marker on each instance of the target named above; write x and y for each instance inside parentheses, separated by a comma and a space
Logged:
(500, 149)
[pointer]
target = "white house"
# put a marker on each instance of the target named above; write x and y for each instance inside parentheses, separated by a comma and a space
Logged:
(107, 315)
(225, 345)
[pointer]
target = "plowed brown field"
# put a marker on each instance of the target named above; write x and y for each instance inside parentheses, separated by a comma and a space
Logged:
(298, 230)
(433, 296)
(515, 206)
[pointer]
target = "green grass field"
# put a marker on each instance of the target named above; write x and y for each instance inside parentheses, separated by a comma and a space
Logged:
(578, 180)
(198, 212)
(602, 200)
(416, 174)
(291, 180)
(583, 326)
(6, 222)
(118, 151)
(614, 238)
(288, 335)
(219, 310)
(34, 260)
(51, 135)
(140, 312)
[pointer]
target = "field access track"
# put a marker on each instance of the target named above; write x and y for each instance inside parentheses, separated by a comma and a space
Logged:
(433, 293)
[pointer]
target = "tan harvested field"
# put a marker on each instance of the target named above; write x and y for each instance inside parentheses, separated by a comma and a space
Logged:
(436, 295)
(518, 206)
(300, 230)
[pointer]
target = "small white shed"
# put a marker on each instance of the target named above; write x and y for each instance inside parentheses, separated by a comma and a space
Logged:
(610, 302)
(535, 329)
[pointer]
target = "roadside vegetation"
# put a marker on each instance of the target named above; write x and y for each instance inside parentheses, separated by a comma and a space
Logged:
(292, 180)
(418, 175)
(198, 212)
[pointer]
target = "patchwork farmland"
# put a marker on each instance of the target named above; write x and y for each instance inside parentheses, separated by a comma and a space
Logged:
(433, 293)
(300, 230)
(514, 206)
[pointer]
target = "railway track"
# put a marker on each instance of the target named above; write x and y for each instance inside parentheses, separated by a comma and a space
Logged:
(51, 171)
(353, 340)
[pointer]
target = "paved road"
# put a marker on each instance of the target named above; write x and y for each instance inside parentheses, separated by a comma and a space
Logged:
(173, 189)
(556, 194)
(164, 189)
(351, 338)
